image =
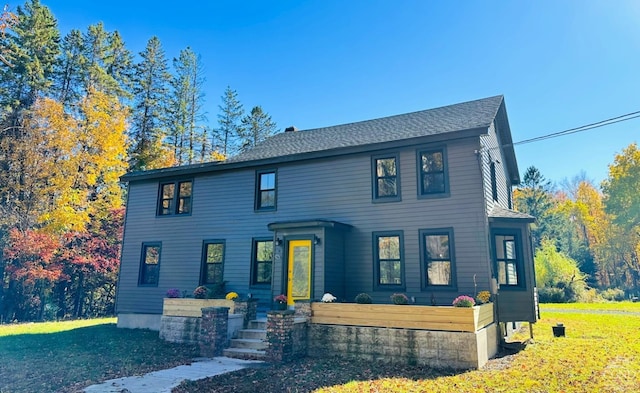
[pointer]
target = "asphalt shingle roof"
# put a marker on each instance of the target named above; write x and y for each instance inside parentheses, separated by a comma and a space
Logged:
(458, 117)
(500, 212)
(287, 146)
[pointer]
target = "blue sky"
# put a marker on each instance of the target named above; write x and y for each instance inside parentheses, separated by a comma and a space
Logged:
(559, 64)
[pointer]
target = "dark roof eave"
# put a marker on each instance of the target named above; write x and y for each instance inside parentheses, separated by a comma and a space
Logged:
(319, 223)
(507, 144)
(222, 166)
(512, 219)
(499, 213)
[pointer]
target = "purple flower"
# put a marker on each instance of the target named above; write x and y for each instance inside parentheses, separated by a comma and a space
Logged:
(464, 301)
(173, 293)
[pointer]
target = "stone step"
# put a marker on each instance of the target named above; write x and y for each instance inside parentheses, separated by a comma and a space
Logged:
(260, 334)
(258, 324)
(248, 343)
(244, 353)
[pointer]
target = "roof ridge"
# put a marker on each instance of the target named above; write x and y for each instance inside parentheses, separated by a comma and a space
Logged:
(501, 96)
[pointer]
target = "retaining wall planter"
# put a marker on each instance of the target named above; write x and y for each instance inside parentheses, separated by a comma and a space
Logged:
(187, 307)
(438, 349)
(438, 318)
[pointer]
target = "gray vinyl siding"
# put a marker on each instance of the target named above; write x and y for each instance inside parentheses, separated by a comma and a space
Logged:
(334, 272)
(337, 189)
(492, 152)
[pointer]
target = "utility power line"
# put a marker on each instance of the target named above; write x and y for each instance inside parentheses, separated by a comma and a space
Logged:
(602, 123)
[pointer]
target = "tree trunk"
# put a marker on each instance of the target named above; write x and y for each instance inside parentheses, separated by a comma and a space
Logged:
(2, 280)
(79, 295)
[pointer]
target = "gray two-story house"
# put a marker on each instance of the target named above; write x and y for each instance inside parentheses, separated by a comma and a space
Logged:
(418, 203)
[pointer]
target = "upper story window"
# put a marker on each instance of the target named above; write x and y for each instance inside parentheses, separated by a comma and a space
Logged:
(175, 198)
(149, 264)
(437, 257)
(261, 261)
(212, 262)
(508, 260)
(386, 178)
(266, 190)
(388, 263)
(432, 172)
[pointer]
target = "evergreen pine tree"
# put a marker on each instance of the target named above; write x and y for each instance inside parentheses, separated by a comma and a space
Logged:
(32, 47)
(68, 71)
(229, 122)
(535, 197)
(119, 64)
(186, 113)
(150, 89)
(256, 127)
(108, 66)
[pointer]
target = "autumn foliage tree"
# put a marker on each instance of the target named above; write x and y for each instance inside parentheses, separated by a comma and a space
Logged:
(72, 274)
(90, 261)
(64, 170)
(66, 108)
(598, 229)
(622, 201)
(63, 185)
(31, 270)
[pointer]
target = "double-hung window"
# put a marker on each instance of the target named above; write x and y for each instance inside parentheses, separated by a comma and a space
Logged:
(388, 259)
(508, 260)
(149, 264)
(266, 190)
(386, 178)
(175, 198)
(261, 261)
(437, 258)
(432, 172)
(212, 262)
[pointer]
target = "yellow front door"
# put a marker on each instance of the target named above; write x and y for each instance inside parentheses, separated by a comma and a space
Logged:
(299, 271)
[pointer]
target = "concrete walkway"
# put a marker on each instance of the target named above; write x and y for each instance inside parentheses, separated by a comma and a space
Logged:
(164, 380)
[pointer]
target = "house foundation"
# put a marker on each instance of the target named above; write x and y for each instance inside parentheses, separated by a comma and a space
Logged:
(439, 349)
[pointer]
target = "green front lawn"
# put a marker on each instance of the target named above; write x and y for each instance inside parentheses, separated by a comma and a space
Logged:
(65, 356)
(601, 353)
(625, 306)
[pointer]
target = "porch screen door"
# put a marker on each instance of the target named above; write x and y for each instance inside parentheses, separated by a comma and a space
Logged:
(299, 271)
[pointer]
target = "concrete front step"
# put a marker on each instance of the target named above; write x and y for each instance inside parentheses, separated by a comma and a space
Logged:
(245, 353)
(253, 333)
(260, 324)
(248, 343)
(251, 343)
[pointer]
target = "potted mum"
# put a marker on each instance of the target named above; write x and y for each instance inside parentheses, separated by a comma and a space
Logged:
(364, 298)
(399, 298)
(328, 298)
(173, 293)
(464, 301)
(200, 292)
(483, 297)
(280, 302)
(232, 296)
